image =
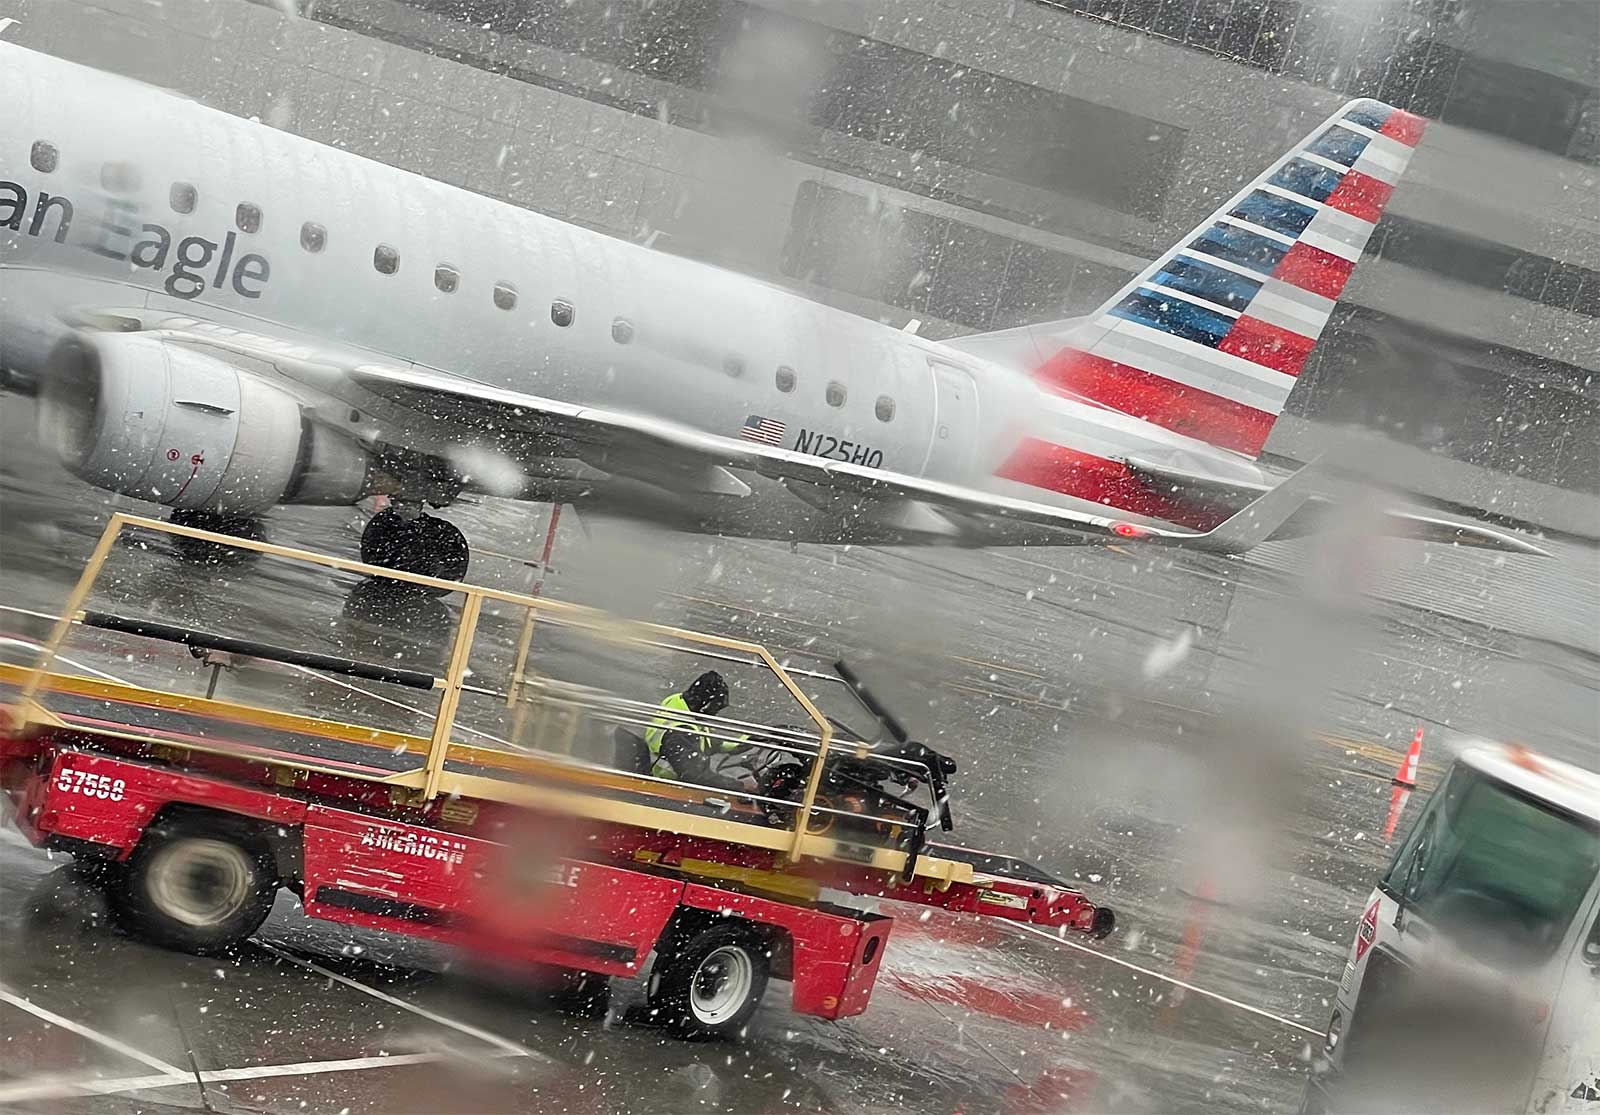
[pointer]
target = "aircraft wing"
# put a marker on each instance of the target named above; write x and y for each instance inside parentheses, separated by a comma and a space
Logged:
(1404, 522)
(620, 441)
(669, 454)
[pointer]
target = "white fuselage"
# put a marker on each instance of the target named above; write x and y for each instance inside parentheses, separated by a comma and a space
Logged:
(650, 333)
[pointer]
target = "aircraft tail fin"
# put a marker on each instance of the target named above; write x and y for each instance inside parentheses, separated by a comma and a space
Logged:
(1208, 339)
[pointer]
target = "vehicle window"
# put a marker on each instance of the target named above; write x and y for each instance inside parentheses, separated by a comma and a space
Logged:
(247, 217)
(884, 408)
(733, 367)
(313, 237)
(505, 296)
(1501, 873)
(835, 393)
(182, 197)
(385, 259)
(785, 379)
(44, 156)
(119, 178)
(562, 313)
(446, 278)
(621, 331)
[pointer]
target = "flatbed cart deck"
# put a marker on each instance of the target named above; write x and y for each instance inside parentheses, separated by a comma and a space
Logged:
(196, 810)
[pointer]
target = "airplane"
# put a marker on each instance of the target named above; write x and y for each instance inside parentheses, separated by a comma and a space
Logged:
(222, 317)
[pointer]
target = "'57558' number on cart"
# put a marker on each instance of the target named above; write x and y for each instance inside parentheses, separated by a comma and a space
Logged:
(89, 784)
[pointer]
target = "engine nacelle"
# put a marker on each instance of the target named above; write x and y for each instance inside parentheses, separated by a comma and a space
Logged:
(136, 415)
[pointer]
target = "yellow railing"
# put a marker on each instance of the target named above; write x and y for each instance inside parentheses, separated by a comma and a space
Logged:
(452, 684)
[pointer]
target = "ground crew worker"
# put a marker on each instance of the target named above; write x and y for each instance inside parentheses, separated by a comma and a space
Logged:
(680, 744)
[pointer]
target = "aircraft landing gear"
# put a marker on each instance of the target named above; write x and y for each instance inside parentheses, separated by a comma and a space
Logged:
(201, 552)
(415, 544)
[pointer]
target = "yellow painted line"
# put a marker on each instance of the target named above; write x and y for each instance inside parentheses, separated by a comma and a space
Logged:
(996, 666)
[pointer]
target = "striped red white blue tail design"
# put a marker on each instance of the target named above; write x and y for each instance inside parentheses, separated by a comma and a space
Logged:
(1208, 340)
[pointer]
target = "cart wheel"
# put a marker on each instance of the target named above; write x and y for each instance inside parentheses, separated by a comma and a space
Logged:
(195, 883)
(710, 983)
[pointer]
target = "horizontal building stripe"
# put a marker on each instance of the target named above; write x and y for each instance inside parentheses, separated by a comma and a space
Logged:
(1172, 406)
(1056, 468)
(1208, 369)
(1261, 342)
(1361, 196)
(1275, 212)
(1174, 315)
(1404, 127)
(1306, 178)
(1240, 246)
(1339, 144)
(1208, 280)
(1288, 314)
(1312, 269)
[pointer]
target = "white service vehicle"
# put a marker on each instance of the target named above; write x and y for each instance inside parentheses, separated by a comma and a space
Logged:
(1473, 982)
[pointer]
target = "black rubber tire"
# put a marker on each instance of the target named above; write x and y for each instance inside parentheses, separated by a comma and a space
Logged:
(214, 862)
(686, 972)
(211, 553)
(426, 545)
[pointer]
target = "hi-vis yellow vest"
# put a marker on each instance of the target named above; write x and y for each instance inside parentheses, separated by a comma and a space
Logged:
(676, 716)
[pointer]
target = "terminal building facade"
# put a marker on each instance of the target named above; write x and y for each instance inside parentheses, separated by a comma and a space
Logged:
(978, 164)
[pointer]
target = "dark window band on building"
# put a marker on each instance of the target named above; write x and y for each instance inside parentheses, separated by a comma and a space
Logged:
(866, 89)
(1483, 263)
(1392, 52)
(1492, 406)
(935, 266)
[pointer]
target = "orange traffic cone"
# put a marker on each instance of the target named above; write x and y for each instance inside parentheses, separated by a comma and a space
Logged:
(1407, 774)
(1397, 805)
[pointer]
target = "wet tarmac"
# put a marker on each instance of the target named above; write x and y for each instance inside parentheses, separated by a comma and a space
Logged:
(1107, 726)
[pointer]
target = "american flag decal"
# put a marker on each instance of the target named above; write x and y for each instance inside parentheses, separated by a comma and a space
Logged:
(769, 431)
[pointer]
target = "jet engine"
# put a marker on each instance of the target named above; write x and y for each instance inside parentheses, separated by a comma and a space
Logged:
(154, 420)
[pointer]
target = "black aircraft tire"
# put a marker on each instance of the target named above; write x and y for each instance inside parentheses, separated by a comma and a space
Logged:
(425, 545)
(201, 552)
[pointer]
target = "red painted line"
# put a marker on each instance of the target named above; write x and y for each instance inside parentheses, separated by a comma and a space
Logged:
(1404, 127)
(1173, 406)
(1056, 468)
(1269, 345)
(1026, 1008)
(1360, 195)
(1315, 270)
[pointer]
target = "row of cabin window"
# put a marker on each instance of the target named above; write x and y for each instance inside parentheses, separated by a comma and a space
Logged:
(183, 197)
